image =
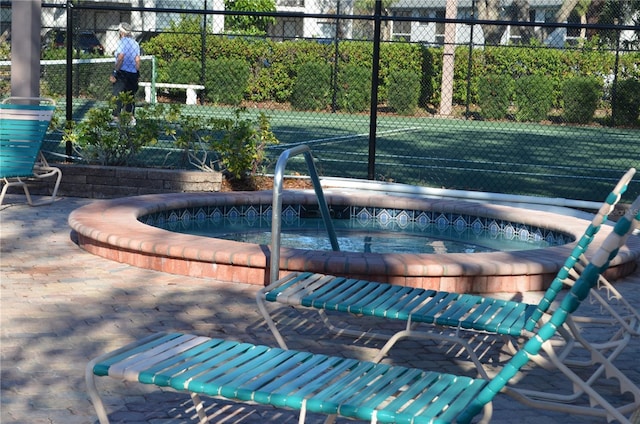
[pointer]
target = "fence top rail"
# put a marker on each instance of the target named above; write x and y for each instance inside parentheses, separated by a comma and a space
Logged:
(75, 61)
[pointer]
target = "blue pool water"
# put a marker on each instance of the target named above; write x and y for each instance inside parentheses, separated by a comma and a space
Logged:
(368, 236)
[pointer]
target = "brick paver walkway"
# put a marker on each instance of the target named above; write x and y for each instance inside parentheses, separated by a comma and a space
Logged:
(61, 306)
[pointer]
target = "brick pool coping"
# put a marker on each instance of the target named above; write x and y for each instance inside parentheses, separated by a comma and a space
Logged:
(110, 228)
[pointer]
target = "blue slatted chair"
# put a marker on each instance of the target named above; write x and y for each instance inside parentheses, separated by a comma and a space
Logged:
(328, 385)
(420, 306)
(23, 125)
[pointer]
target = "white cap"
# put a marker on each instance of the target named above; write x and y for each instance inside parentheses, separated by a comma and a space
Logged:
(124, 28)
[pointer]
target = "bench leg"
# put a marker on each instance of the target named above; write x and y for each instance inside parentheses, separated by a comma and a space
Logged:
(150, 97)
(192, 98)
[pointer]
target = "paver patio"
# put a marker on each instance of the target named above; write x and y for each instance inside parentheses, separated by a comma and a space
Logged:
(61, 306)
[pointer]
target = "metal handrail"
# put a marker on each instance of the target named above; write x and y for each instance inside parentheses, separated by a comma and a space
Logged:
(276, 207)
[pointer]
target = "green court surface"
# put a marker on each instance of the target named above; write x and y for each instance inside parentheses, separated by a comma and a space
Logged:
(575, 162)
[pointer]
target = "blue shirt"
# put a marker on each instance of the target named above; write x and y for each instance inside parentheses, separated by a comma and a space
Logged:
(130, 48)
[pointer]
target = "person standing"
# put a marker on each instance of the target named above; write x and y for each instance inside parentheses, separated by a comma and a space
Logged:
(126, 71)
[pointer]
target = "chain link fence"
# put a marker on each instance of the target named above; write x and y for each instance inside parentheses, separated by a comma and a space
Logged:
(512, 96)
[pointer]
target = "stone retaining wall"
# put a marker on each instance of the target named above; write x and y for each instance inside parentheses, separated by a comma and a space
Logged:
(107, 182)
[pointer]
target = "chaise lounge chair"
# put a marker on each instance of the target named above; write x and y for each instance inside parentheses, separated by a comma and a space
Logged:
(419, 306)
(23, 125)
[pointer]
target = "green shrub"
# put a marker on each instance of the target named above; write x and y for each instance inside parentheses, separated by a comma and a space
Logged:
(226, 80)
(533, 98)
(626, 105)
(54, 80)
(395, 57)
(580, 97)
(235, 145)
(404, 92)
(494, 95)
(183, 71)
(96, 140)
(312, 87)
(354, 88)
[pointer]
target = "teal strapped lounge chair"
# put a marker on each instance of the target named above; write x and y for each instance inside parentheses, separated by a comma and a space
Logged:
(23, 125)
(328, 385)
(419, 306)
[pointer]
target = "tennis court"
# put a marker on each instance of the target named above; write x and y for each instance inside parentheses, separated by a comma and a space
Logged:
(577, 162)
(519, 158)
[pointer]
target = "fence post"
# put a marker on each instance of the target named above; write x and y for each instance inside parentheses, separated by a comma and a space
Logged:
(203, 51)
(336, 58)
(69, 79)
(375, 70)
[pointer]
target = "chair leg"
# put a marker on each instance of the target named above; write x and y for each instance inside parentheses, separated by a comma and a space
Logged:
(433, 336)
(303, 412)
(18, 183)
(197, 403)
(267, 317)
(46, 171)
(94, 395)
(562, 403)
(487, 413)
(330, 419)
(339, 331)
(4, 190)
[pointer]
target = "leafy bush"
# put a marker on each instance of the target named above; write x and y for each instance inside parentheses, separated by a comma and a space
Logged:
(183, 71)
(626, 105)
(237, 144)
(96, 140)
(354, 88)
(397, 57)
(533, 98)
(580, 97)
(404, 91)
(494, 95)
(226, 80)
(312, 87)
(232, 145)
(242, 147)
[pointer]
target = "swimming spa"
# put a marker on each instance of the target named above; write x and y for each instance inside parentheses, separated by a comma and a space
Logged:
(112, 229)
(359, 229)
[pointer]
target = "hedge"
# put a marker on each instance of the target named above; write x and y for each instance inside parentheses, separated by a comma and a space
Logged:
(533, 97)
(404, 91)
(312, 87)
(494, 95)
(272, 66)
(354, 88)
(627, 104)
(580, 98)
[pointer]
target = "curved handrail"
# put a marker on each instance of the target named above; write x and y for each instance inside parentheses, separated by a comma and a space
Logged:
(276, 207)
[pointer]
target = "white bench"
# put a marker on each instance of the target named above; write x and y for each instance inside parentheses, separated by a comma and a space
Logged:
(151, 97)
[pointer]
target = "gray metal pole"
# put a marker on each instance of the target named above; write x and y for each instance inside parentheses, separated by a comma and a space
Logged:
(25, 48)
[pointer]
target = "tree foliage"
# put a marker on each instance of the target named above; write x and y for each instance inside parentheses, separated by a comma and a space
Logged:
(249, 24)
